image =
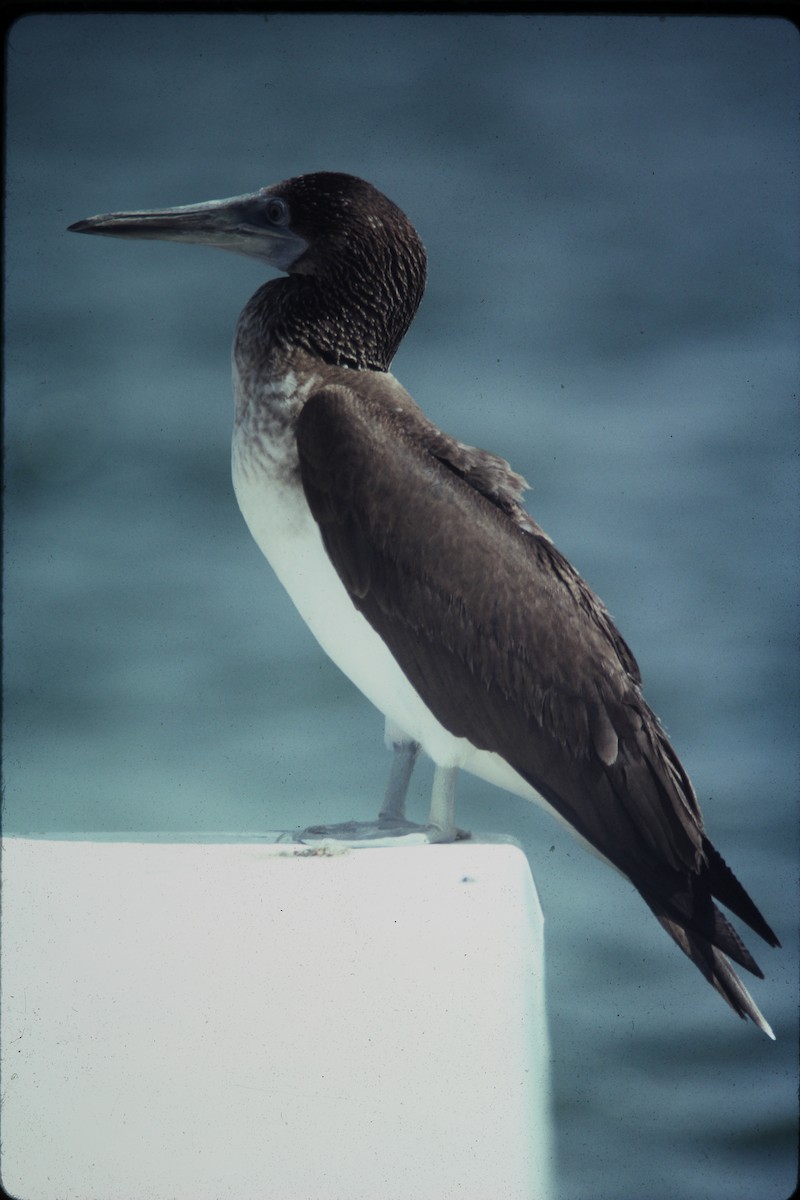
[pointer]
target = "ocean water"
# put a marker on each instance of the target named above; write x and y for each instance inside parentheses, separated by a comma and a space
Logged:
(610, 211)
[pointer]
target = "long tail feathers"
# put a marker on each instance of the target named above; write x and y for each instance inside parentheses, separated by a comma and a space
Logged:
(726, 887)
(717, 970)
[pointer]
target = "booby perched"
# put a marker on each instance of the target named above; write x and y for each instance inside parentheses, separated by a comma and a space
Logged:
(412, 560)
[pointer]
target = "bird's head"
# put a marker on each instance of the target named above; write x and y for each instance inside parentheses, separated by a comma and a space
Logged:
(330, 228)
(324, 224)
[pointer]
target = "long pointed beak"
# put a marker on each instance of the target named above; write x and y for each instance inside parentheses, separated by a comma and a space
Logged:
(240, 224)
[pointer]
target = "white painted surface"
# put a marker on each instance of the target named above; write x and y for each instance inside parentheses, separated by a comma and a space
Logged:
(242, 1020)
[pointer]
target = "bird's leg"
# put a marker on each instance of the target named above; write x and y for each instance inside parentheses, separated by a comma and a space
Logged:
(443, 802)
(391, 828)
(405, 754)
(442, 817)
(391, 825)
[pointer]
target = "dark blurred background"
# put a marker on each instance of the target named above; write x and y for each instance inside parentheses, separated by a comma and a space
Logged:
(610, 208)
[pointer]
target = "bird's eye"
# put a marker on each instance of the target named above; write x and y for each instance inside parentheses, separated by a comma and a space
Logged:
(277, 211)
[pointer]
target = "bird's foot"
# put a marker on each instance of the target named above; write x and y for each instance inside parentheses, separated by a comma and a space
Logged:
(385, 831)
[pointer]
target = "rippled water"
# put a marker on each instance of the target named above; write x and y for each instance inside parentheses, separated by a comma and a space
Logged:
(609, 207)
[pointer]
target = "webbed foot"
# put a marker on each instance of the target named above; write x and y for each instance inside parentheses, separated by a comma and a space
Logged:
(384, 831)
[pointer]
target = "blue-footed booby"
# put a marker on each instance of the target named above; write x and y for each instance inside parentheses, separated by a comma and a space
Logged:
(411, 558)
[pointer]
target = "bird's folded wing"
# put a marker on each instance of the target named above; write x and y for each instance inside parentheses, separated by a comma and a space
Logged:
(499, 635)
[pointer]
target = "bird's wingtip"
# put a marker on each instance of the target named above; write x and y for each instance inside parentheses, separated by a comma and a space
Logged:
(730, 986)
(764, 1026)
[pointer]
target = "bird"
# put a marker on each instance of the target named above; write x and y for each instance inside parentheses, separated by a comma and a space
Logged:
(412, 558)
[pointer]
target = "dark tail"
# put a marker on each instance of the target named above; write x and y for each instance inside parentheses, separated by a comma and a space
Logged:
(717, 970)
(695, 923)
(725, 886)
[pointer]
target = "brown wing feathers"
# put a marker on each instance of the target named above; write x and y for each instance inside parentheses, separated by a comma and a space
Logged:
(510, 648)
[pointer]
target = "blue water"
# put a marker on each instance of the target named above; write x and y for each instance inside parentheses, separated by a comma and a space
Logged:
(610, 210)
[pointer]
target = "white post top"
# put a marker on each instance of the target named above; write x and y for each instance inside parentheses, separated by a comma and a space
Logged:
(272, 1022)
